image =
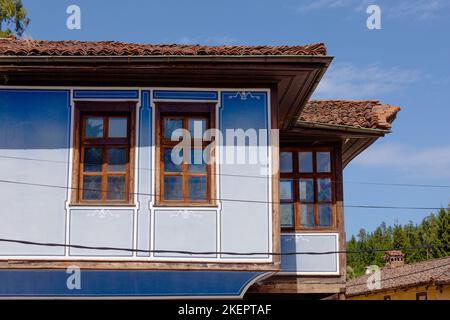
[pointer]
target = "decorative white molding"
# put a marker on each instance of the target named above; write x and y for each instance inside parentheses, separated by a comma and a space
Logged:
(186, 214)
(103, 213)
(244, 95)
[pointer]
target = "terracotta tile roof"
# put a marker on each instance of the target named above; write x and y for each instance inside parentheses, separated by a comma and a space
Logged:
(354, 113)
(432, 271)
(11, 46)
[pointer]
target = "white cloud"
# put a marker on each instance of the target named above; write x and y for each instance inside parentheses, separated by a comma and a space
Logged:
(420, 9)
(324, 4)
(211, 40)
(351, 82)
(432, 162)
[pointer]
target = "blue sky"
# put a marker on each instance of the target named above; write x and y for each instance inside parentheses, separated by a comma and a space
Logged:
(406, 63)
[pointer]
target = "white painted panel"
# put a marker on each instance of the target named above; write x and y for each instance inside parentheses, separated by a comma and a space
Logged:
(185, 230)
(307, 263)
(101, 228)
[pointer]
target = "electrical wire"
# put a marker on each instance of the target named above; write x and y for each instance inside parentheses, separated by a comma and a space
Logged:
(218, 199)
(231, 253)
(249, 176)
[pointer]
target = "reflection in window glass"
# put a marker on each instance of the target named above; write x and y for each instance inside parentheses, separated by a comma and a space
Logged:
(170, 125)
(323, 162)
(287, 215)
(116, 188)
(93, 159)
(92, 186)
(306, 189)
(173, 188)
(197, 188)
(197, 163)
(286, 189)
(117, 127)
(307, 215)
(324, 190)
(325, 215)
(196, 127)
(285, 161)
(117, 159)
(171, 164)
(94, 127)
(305, 162)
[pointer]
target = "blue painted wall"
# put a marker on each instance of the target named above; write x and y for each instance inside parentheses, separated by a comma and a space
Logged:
(97, 283)
(34, 150)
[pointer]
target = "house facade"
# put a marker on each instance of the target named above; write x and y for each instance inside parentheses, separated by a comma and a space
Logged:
(133, 170)
(426, 280)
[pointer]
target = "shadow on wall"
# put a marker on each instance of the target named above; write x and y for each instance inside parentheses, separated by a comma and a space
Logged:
(34, 119)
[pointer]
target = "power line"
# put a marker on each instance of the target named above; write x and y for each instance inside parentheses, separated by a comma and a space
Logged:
(218, 199)
(75, 246)
(246, 176)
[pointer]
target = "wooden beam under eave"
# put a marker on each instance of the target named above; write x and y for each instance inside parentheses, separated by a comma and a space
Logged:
(293, 286)
(353, 147)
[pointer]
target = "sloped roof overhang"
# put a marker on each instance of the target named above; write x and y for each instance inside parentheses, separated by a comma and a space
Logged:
(292, 78)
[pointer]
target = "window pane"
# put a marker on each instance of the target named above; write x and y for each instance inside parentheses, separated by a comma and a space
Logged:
(94, 127)
(116, 188)
(306, 188)
(325, 215)
(286, 162)
(173, 188)
(118, 127)
(323, 162)
(93, 159)
(197, 188)
(307, 215)
(117, 159)
(171, 162)
(286, 190)
(287, 215)
(196, 127)
(170, 125)
(324, 190)
(305, 162)
(92, 186)
(197, 163)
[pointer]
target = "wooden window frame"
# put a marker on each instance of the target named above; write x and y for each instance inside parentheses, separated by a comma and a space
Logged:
(296, 175)
(184, 110)
(103, 109)
(421, 294)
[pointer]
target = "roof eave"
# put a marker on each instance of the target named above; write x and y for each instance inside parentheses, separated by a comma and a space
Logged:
(322, 59)
(350, 129)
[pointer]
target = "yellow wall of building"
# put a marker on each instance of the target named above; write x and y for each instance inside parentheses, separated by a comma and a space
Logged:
(433, 293)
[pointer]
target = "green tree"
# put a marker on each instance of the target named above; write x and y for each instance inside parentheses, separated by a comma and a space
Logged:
(13, 18)
(442, 234)
(433, 231)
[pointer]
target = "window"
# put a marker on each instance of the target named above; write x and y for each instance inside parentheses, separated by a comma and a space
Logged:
(104, 141)
(185, 173)
(306, 189)
(421, 296)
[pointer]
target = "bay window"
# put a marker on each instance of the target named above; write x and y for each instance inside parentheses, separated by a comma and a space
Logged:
(306, 188)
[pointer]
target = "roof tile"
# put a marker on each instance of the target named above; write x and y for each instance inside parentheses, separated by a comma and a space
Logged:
(354, 113)
(437, 270)
(11, 46)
